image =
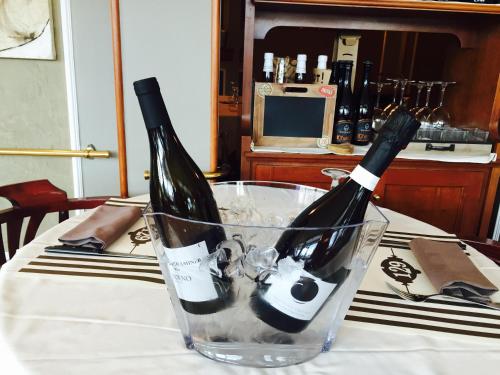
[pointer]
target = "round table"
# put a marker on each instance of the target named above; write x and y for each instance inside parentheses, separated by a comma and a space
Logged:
(94, 315)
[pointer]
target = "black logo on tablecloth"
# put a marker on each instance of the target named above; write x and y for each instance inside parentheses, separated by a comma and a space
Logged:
(139, 236)
(399, 270)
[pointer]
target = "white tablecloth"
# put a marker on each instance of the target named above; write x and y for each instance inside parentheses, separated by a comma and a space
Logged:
(86, 315)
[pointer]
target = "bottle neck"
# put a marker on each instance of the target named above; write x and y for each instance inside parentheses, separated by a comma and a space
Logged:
(335, 73)
(366, 76)
(154, 111)
(393, 137)
(347, 77)
(162, 139)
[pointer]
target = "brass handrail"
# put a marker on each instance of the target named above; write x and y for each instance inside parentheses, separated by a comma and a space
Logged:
(89, 153)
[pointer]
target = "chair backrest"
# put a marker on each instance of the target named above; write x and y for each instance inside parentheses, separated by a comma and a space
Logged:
(33, 200)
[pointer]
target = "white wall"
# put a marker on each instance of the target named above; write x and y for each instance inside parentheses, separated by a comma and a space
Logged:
(33, 114)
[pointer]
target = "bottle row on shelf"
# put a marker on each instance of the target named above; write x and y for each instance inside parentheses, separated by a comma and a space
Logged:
(353, 113)
(357, 119)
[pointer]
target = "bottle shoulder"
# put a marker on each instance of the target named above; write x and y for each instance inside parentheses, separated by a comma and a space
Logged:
(332, 209)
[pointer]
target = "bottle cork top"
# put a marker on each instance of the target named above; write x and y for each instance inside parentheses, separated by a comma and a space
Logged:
(322, 59)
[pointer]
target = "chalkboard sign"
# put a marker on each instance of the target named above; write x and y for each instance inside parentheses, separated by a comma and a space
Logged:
(293, 115)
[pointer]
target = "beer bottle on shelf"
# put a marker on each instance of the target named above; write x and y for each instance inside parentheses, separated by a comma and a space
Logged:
(300, 70)
(343, 125)
(319, 74)
(362, 134)
(334, 77)
(268, 75)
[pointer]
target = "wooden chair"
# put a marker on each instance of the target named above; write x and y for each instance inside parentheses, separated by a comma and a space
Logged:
(33, 200)
(489, 248)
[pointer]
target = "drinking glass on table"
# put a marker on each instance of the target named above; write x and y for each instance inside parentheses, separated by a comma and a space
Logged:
(338, 175)
(440, 116)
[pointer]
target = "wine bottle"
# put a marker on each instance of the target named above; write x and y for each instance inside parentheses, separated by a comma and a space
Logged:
(362, 129)
(177, 187)
(290, 305)
(319, 72)
(322, 59)
(339, 74)
(300, 70)
(268, 67)
(334, 77)
(280, 71)
(342, 125)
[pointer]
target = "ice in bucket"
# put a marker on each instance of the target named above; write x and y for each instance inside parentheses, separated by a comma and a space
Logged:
(254, 216)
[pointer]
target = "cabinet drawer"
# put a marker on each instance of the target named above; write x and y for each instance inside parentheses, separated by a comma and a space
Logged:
(298, 174)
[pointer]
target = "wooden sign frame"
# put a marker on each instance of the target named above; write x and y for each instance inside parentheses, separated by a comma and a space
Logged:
(265, 89)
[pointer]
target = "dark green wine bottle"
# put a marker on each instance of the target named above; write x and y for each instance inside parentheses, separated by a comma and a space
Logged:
(343, 122)
(364, 110)
(177, 187)
(327, 253)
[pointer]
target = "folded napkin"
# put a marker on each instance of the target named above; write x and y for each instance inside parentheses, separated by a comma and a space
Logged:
(451, 271)
(100, 229)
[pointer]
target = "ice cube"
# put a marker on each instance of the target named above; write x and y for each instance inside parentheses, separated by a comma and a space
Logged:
(290, 269)
(235, 269)
(258, 260)
(214, 261)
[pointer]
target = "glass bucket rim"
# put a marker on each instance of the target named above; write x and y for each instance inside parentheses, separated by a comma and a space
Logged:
(382, 220)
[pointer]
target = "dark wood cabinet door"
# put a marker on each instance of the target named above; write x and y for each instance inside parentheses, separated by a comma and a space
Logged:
(309, 174)
(449, 199)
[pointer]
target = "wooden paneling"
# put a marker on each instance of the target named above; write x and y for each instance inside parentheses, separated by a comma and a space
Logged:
(489, 202)
(395, 4)
(449, 196)
(305, 175)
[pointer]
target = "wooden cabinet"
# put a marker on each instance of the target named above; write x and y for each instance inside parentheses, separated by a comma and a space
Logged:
(457, 197)
(450, 197)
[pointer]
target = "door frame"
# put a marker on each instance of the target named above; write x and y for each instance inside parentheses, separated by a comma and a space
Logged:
(71, 97)
(214, 89)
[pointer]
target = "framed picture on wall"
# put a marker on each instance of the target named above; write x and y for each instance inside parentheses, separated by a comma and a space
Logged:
(26, 29)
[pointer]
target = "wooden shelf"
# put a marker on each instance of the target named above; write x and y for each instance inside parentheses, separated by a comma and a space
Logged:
(396, 4)
(432, 191)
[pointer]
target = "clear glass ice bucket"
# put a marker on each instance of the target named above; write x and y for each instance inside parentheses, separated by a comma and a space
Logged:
(254, 215)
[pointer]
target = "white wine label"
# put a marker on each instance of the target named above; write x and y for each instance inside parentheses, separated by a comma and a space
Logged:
(364, 177)
(191, 283)
(298, 298)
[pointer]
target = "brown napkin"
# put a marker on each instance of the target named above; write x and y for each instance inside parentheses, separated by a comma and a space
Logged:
(100, 229)
(451, 271)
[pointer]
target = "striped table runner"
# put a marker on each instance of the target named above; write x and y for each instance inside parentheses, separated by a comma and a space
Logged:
(374, 305)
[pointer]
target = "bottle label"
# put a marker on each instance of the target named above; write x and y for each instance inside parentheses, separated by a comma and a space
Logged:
(363, 130)
(191, 283)
(364, 177)
(298, 298)
(343, 131)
